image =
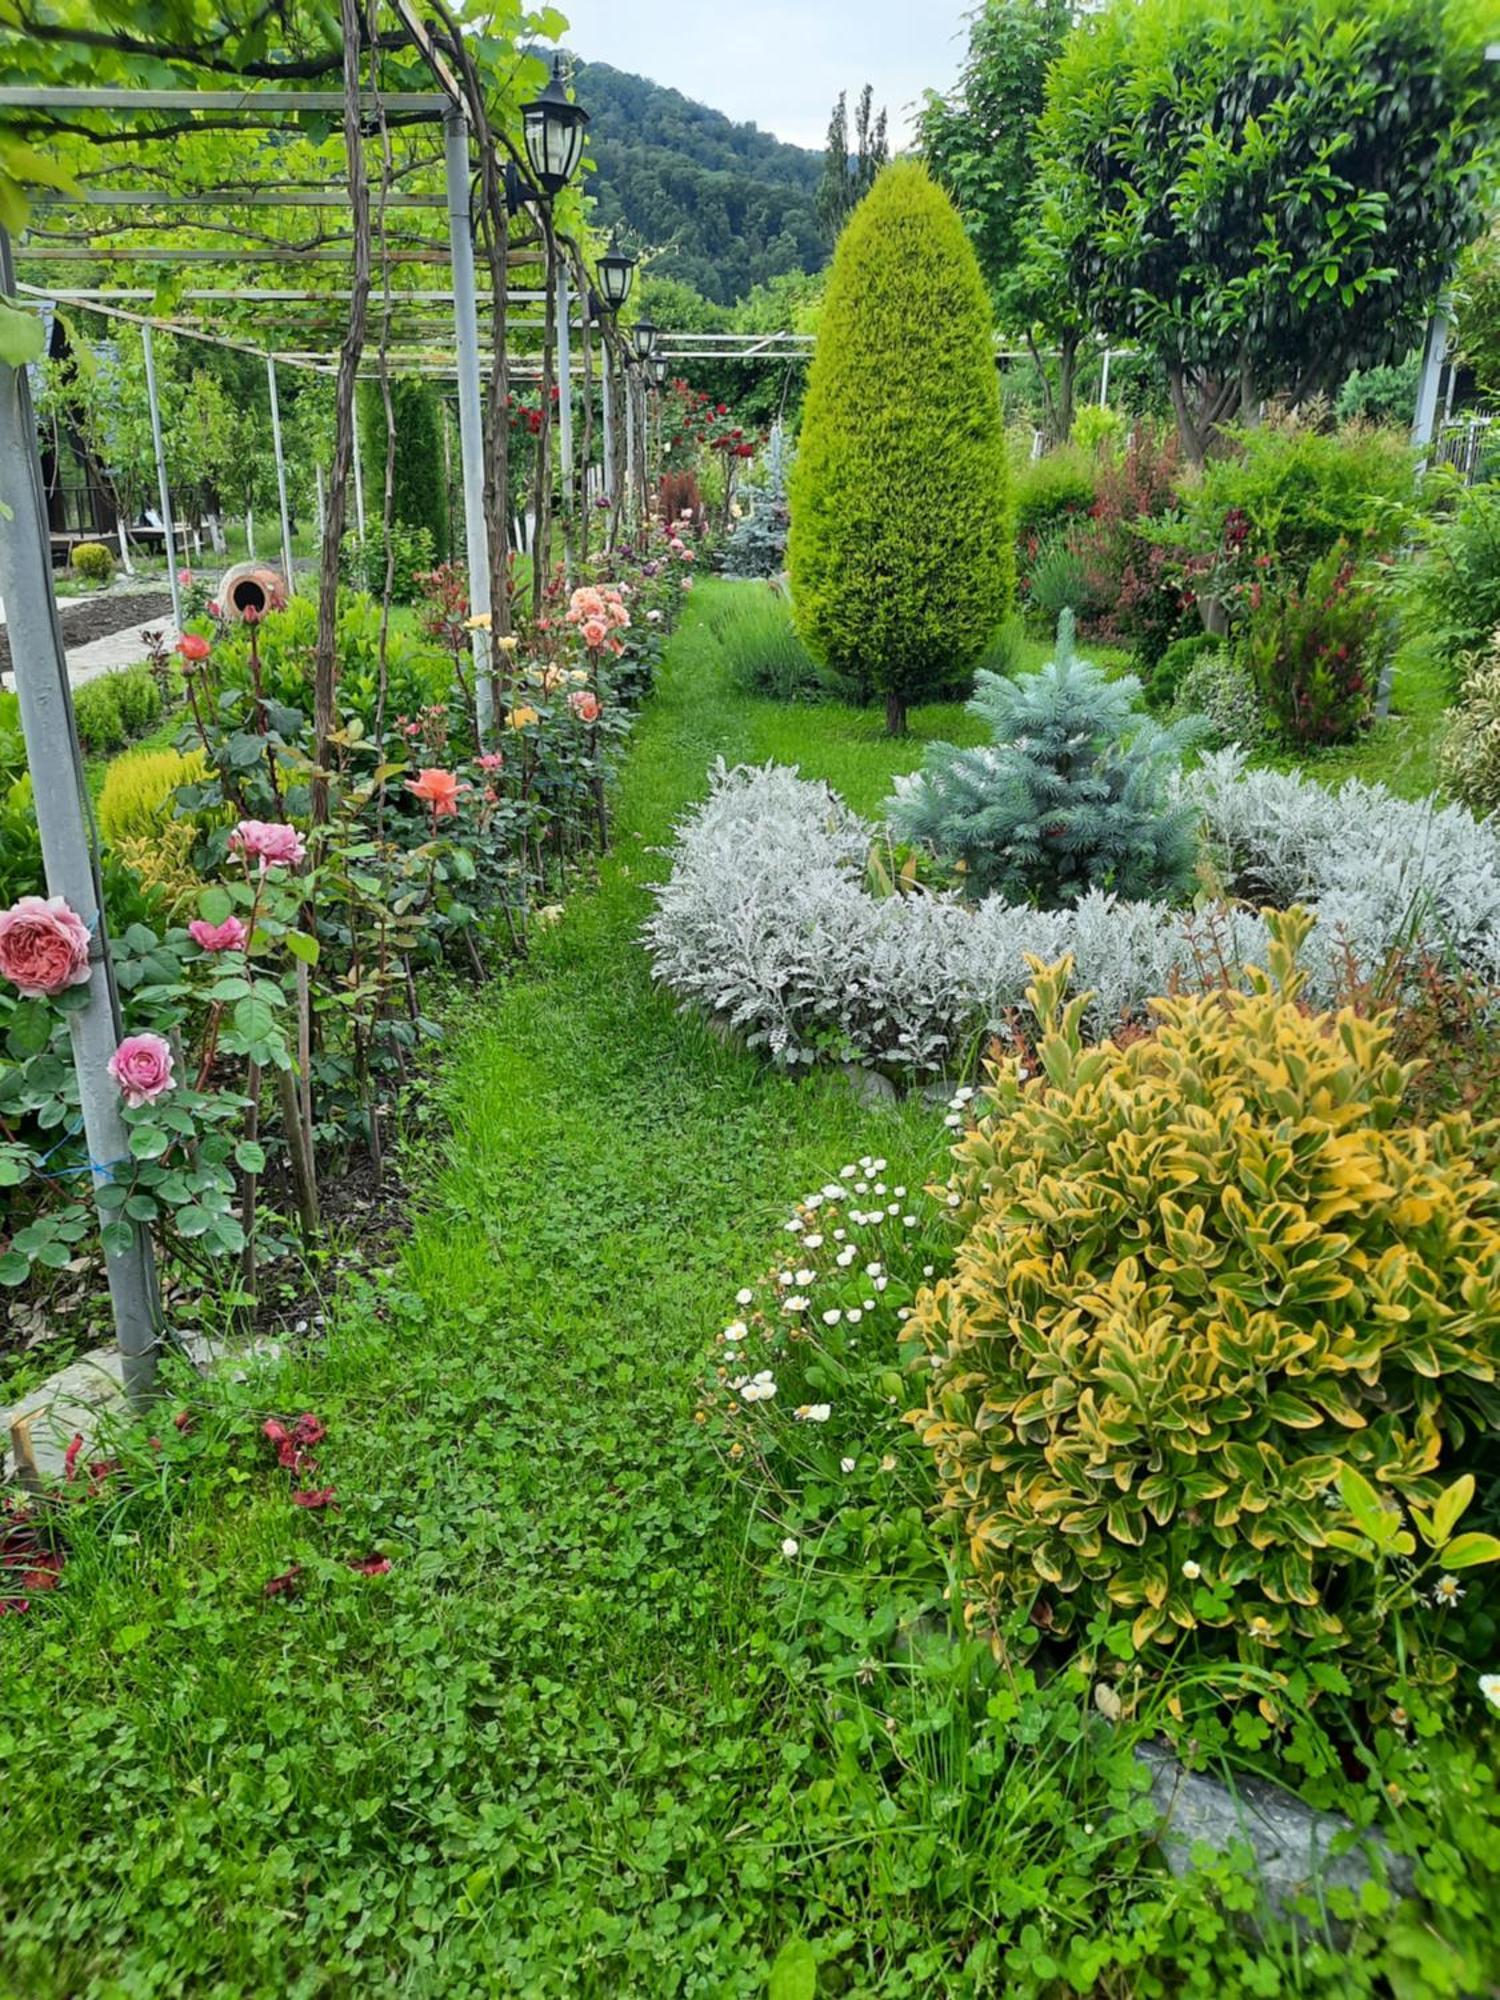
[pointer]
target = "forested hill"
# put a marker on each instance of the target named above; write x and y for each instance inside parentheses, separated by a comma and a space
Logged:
(721, 205)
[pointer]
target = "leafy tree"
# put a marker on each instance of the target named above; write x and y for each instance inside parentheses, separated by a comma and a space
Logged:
(978, 141)
(849, 176)
(901, 553)
(1268, 196)
(1477, 299)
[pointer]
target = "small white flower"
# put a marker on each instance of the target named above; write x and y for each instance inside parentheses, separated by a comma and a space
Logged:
(795, 1304)
(908, 1222)
(903, 1312)
(1447, 1590)
(833, 1192)
(745, 1297)
(832, 1316)
(855, 1315)
(865, 1161)
(877, 1166)
(760, 1388)
(873, 1270)
(846, 1465)
(839, 1235)
(880, 1187)
(790, 1547)
(926, 1270)
(953, 1121)
(846, 1256)
(1489, 1687)
(805, 1277)
(795, 1223)
(869, 1305)
(848, 1173)
(861, 1187)
(812, 1201)
(900, 1194)
(737, 1330)
(813, 1242)
(815, 1413)
(894, 1209)
(783, 1278)
(964, 1092)
(1191, 1571)
(955, 1200)
(881, 1283)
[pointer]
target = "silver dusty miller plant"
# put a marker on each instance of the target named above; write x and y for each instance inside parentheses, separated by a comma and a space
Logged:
(769, 923)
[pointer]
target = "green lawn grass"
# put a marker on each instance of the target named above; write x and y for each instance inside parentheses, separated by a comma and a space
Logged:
(550, 1750)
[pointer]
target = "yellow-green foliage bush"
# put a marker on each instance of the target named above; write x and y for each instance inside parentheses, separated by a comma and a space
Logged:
(93, 562)
(900, 553)
(1203, 1274)
(135, 816)
(1469, 763)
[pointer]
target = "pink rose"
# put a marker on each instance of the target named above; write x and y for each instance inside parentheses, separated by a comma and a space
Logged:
(584, 704)
(275, 843)
(595, 632)
(44, 946)
(142, 1067)
(228, 936)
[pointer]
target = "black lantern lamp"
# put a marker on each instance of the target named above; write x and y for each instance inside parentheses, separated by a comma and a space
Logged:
(660, 367)
(553, 129)
(616, 275)
(643, 335)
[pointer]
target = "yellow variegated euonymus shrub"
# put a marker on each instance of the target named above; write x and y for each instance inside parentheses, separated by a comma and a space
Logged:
(1201, 1274)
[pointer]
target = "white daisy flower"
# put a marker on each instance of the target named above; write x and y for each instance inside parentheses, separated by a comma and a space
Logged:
(874, 1270)
(795, 1304)
(812, 1242)
(832, 1316)
(927, 1270)
(953, 1121)
(1489, 1687)
(855, 1315)
(833, 1192)
(848, 1173)
(846, 1465)
(1191, 1571)
(815, 1413)
(745, 1297)
(790, 1547)
(846, 1256)
(805, 1277)
(736, 1330)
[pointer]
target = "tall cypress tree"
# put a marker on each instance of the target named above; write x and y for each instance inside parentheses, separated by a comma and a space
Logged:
(419, 495)
(901, 556)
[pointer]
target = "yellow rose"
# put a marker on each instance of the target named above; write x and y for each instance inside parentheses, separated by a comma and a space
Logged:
(509, 643)
(479, 623)
(520, 718)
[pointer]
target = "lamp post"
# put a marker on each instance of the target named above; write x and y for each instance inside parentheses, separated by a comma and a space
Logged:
(552, 126)
(616, 275)
(643, 339)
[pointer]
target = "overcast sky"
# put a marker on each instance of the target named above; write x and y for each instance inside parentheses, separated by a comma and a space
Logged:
(779, 64)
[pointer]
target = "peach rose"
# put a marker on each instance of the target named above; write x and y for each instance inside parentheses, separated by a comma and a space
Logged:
(44, 947)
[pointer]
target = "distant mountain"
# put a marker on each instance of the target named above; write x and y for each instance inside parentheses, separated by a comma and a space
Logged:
(720, 205)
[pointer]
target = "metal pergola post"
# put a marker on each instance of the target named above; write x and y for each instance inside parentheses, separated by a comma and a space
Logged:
(359, 483)
(163, 485)
(564, 389)
(62, 812)
(286, 518)
(1434, 352)
(606, 377)
(470, 420)
(632, 489)
(1104, 381)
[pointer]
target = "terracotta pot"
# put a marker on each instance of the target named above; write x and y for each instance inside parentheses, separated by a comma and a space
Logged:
(251, 586)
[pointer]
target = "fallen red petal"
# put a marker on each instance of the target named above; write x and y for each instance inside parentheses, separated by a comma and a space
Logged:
(313, 1496)
(283, 1585)
(370, 1565)
(70, 1457)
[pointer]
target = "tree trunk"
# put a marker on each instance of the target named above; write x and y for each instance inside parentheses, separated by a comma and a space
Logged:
(325, 663)
(895, 714)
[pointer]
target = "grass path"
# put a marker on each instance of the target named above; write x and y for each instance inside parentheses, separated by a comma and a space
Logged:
(537, 1755)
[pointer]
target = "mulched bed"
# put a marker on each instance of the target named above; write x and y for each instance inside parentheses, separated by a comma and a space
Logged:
(96, 617)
